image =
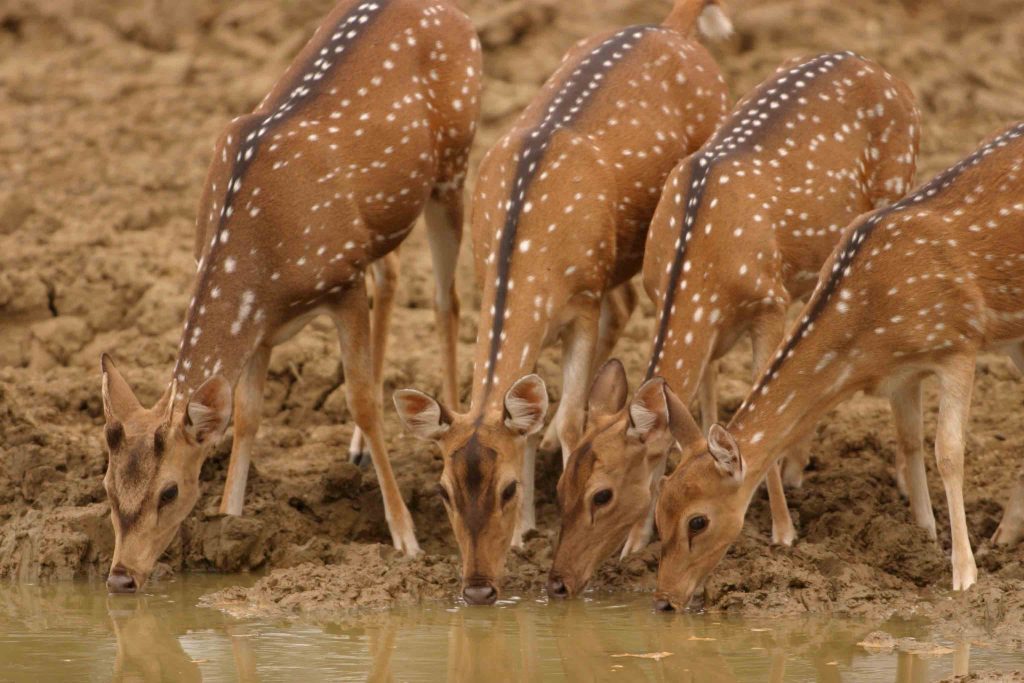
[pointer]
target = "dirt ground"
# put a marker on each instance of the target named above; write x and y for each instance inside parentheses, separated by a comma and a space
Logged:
(109, 109)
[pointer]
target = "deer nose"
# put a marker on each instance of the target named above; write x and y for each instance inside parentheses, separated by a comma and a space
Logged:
(663, 605)
(120, 581)
(480, 595)
(557, 588)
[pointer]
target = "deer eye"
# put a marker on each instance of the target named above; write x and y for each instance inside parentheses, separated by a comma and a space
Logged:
(697, 524)
(168, 495)
(443, 492)
(509, 491)
(603, 497)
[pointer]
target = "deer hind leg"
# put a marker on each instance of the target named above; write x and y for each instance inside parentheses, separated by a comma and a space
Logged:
(248, 410)
(956, 381)
(616, 309)
(385, 283)
(906, 411)
(444, 232)
(365, 401)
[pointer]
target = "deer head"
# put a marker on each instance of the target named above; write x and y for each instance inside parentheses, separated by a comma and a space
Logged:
(606, 488)
(152, 478)
(480, 483)
(700, 513)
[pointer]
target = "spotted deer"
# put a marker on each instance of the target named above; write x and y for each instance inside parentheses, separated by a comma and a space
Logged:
(370, 126)
(914, 289)
(741, 230)
(559, 221)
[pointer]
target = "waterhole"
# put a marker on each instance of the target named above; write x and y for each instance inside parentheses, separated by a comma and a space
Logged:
(75, 631)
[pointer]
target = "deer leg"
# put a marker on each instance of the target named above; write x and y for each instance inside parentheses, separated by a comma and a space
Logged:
(577, 362)
(1016, 353)
(365, 400)
(765, 336)
(707, 396)
(956, 382)
(640, 534)
(1011, 527)
(444, 232)
(527, 510)
(385, 282)
(616, 309)
(248, 410)
(906, 411)
(796, 461)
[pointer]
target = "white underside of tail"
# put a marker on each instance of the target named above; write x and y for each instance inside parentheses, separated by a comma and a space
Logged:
(713, 23)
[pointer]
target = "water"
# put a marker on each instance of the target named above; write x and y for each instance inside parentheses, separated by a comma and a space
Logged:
(74, 631)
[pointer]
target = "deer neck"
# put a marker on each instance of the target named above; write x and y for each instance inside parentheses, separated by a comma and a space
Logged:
(506, 352)
(223, 327)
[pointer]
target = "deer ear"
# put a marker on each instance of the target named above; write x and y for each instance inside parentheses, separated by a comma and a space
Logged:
(118, 398)
(648, 413)
(609, 391)
(725, 451)
(682, 425)
(421, 415)
(526, 405)
(208, 410)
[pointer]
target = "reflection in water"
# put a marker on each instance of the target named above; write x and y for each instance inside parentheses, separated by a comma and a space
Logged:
(74, 631)
(147, 650)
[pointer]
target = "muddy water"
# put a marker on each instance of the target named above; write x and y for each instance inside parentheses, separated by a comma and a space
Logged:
(74, 631)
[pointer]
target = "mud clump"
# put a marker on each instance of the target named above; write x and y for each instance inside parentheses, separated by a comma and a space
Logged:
(110, 118)
(364, 577)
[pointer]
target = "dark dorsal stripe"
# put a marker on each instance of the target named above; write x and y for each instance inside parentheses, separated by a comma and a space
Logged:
(304, 86)
(744, 130)
(564, 109)
(855, 242)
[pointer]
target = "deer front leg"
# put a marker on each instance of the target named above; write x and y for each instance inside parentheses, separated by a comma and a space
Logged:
(795, 462)
(616, 308)
(577, 363)
(1011, 527)
(527, 511)
(765, 336)
(906, 411)
(640, 534)
(707, 396)
(956, 382)
(385, 282)
(247, 413)
(352, 319)
(444, 232)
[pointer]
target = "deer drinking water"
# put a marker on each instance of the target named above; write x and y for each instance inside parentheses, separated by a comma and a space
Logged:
(370, 126)
(915, 289)
(560, 216)
(741, 230)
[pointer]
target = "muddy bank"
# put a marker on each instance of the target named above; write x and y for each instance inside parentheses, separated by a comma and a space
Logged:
(108, 117)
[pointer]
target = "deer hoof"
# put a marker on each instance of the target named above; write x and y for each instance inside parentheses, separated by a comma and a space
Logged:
(784, 537)
(360, 459)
